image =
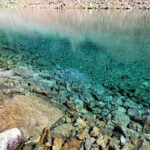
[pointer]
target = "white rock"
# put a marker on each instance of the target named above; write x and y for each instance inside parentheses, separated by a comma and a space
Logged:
(10, 138)
(122, 139)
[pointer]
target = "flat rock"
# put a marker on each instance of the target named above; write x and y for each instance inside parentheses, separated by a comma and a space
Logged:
(29, 114)
(72, 144)
(83, 134)
(121, 118)
(63, 130)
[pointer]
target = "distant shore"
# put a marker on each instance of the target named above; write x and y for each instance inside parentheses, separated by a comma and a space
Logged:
(78, 4)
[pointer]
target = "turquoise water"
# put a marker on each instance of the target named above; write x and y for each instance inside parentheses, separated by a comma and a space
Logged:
(109, 47)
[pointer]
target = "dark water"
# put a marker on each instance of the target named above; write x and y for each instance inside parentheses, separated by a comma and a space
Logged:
(111, 48)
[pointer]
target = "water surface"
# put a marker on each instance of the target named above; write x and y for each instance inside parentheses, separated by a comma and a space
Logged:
(111, 48)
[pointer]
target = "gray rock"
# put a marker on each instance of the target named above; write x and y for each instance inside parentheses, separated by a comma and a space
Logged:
(88, 144)
(63, 130)
(145, 146)
(119, 102)
(119, 110)
(139, 127)
(40, 147)
(129, 103)
(106, 131)
(147, 126)
(28, 147)
(120, 118)
(132, 112)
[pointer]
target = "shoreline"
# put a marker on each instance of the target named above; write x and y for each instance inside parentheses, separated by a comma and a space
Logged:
(74, 4)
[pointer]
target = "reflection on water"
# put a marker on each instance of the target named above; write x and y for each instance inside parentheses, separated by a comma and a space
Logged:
(110, 47)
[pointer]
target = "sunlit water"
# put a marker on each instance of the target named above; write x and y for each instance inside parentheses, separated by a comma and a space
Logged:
(111, 48)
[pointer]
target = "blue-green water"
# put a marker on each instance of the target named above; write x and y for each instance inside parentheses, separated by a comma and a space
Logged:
(111, 48)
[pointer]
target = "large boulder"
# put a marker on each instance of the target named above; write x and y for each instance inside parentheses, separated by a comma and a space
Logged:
(29, 114)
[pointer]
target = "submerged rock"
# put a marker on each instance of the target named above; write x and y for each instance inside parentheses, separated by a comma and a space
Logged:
(145, 146)
(147, 125)
(120, 118)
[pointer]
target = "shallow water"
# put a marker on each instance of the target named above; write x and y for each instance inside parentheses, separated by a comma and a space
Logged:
(111, 48)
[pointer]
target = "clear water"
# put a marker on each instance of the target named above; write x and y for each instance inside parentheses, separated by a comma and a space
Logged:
(111, 48)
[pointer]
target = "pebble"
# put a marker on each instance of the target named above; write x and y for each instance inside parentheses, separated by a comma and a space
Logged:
(88, 144)
(43, 136)
(127, 146)
(101, 124)
(113, 145)
(33, 140)
(95, 132)
(121, 118)
(40, 147)
(147, 125)
(132, 126)
(57, 144)
(28, 147)
(72, 144)
(122, 139)
(49, 139)
(63, 130)
(99, 140)
(83, 134)
(81, 123)
(68, 119)
(134, 140)
(132, 112)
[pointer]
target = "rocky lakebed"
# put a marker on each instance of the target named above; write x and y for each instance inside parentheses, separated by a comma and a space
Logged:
(60, 110)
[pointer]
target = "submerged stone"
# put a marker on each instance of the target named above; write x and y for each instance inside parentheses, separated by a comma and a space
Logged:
(121, 118)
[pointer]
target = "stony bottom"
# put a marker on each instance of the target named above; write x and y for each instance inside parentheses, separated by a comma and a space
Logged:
(86, 118)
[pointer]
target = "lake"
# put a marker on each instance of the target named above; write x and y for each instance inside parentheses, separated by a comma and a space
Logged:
(111, 48)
